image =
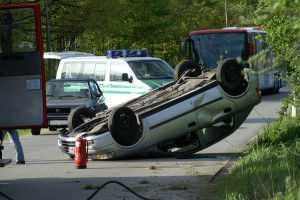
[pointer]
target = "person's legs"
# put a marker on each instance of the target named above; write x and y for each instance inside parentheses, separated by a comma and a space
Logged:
(14, 138)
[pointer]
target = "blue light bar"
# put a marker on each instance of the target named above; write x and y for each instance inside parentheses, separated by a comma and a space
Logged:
(114, 54)
(126, 53)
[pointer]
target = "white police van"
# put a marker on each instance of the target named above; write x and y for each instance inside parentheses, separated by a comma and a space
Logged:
(122, 74)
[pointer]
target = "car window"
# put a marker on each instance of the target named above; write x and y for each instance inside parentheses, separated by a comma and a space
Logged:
(116, 71)
(71, 70)
(151, 69)
(67, 89)
(218, 130)
(17, 30)
(94, 88)
(100, 71)
(84, 70)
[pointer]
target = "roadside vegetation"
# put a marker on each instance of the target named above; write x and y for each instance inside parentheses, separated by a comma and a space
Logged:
(270, 167)
(20, 131)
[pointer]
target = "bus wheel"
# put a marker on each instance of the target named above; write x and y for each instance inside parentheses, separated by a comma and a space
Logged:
(185, 65)
(76, 117)
(229, 74)
(123, 126)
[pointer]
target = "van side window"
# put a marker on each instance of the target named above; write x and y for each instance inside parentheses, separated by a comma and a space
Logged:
(71, 70)
(100, 71)
(84, 70)
(116, 71)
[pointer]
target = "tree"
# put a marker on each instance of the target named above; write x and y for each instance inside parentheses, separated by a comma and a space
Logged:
(281, 20)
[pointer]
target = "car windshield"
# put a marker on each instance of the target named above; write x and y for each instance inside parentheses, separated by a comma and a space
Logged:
(211, 48)
(67, 89)
(151, 69)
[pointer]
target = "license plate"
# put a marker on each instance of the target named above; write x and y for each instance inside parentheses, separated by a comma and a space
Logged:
(71, 150)
(58, 122)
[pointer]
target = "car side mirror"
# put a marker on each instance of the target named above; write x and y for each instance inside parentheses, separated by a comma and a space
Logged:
(183, 44)
(125, 77)
(98, 95)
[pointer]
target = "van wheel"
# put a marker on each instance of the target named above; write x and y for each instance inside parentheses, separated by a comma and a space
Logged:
(35, 131)
(76, 117)
(184, 66)
(122, 124)
(229, 74)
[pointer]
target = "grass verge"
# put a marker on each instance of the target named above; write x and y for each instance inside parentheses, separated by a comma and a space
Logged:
(270, 168)
(20, 131)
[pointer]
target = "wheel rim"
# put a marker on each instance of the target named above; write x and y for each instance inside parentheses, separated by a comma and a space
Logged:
(232, 73)
(124, 122)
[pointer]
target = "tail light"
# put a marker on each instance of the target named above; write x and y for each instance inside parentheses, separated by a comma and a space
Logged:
(258, 92)
(251, 49)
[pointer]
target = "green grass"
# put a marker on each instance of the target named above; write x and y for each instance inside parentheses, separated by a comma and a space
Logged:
(20, 131)
(144, 182)
(91, 187)
(177, 187)
(270, 168)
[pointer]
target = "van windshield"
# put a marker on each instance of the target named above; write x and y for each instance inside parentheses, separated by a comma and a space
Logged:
(151, 69)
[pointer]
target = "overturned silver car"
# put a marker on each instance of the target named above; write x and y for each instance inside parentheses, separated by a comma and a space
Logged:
(180, 118)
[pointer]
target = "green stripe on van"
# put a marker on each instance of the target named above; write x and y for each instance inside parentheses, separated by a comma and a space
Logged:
(123, 86)
(155, 83)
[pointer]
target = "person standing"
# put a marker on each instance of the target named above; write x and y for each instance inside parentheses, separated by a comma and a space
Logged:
(14, 139)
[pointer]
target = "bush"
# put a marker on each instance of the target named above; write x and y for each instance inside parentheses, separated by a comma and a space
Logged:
(270, 168)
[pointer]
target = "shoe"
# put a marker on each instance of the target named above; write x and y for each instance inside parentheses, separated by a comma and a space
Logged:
(20, 162)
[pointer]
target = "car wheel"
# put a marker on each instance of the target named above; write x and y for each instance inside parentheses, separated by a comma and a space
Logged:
(52, 129)
(123, 126)
(185, 65)
(76, 117)
(35, 131)
(229, 74)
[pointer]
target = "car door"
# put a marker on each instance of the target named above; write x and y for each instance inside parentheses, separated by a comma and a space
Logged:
(22, 78)
(98, 101)
(117, 89)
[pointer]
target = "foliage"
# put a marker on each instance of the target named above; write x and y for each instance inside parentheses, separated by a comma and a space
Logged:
(281, 20)
(95, 26)
(270, 167)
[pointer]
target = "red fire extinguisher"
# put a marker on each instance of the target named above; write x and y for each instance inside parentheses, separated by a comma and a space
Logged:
(80, 153)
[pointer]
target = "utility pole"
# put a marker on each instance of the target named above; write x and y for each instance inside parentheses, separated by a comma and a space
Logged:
(226, 14)
(48, 38)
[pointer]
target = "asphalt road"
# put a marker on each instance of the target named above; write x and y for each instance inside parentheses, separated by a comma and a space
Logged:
(49, 174)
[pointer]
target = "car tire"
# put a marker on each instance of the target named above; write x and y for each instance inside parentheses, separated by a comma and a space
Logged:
(229, 74)
(185, 65)
(123, 126)
(76, 116)
(52, 129)
(35, 131)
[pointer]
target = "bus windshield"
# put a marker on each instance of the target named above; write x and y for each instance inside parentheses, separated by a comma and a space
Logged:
(208, 49)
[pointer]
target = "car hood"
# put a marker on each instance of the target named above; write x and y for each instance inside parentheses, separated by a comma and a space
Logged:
(66, 102)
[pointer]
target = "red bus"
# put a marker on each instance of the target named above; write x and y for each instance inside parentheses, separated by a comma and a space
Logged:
(209, 47)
